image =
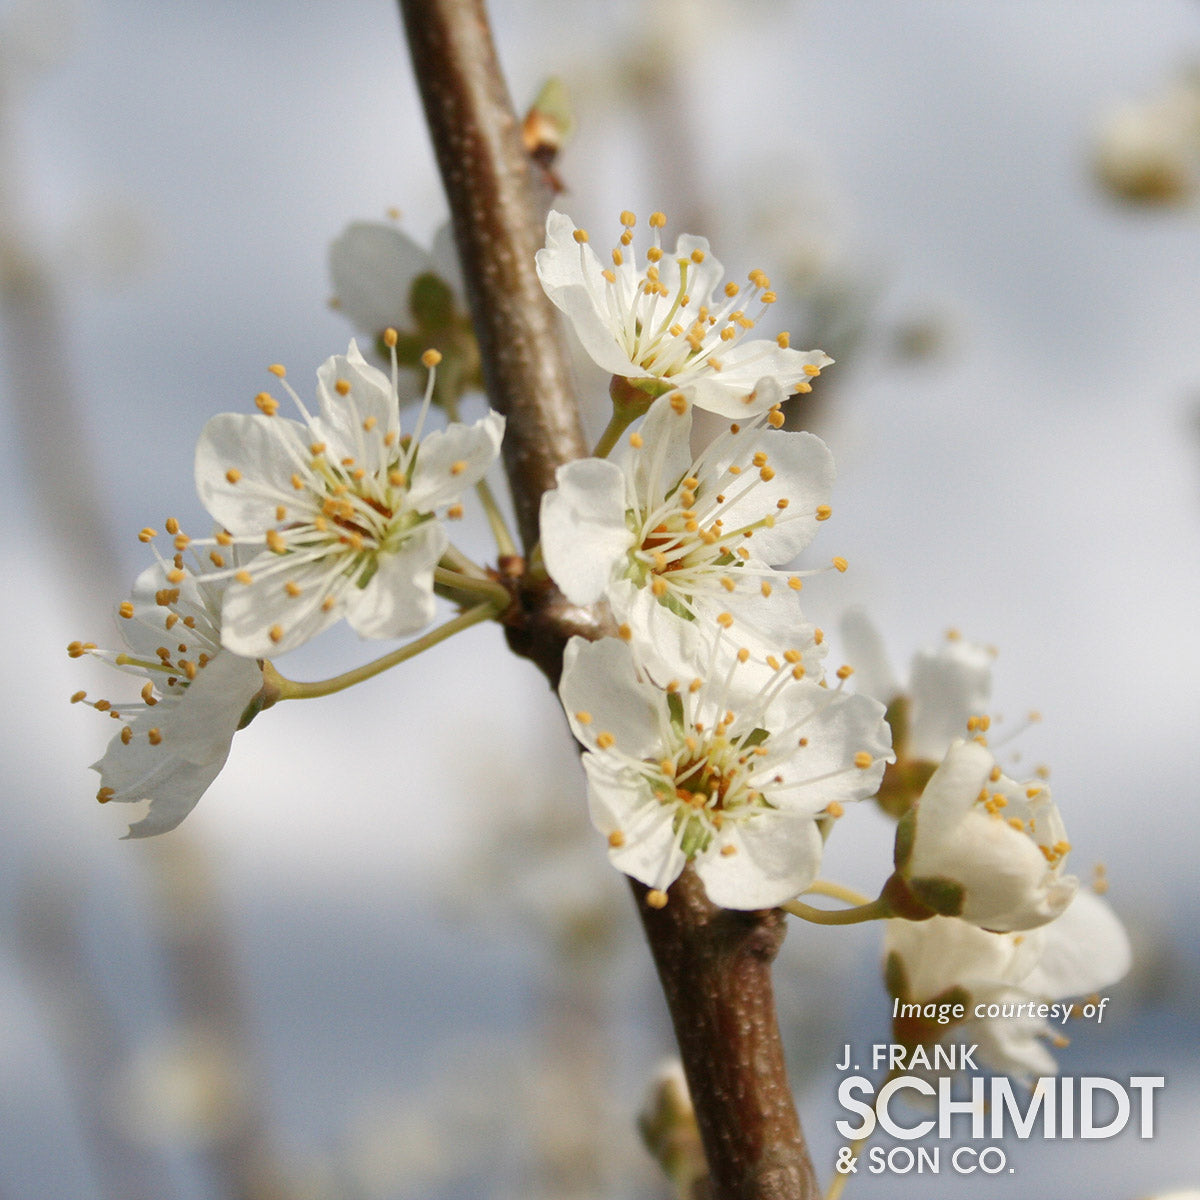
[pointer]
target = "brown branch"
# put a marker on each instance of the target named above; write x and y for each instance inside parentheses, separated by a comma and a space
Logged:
(715, 965)
(715, 969)
(498, 226)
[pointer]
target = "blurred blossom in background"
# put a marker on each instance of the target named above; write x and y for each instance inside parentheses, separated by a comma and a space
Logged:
(385, 957)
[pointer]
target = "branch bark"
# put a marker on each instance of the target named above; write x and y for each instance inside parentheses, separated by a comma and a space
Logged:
(498, 226)
(714, 965)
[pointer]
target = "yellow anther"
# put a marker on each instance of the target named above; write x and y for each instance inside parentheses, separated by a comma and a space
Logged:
(397, 478)
(862, 760)
(342, 387)
(654, 254)
(802, 389)
(275, 633)
(327, 604)
(658, 220)
(126, 736)
(617, 257)
(580, 236)
(188, 668)
(316, 449)
(126, 609)
(636, 440)
(766, 474)
(616, 839)
(658, 586)
(458, 466)
(233, 475)
(224, 538)
(798, 671)
(154, 736)
(182, 541)
(694, 687)
(267, 403)
(731, 289)
(105, 794)
(845, 671)
(609, 276)
(370, 423)
(624, 632)
(628, 219)
(994, 774)
(278, 370)
(583, 717)
(605, 740)
(275, 541)
(176, 575)
(667, 767)
(811, 370)
(783, 341)
(102, 705)
(172, 526)
(841, 564)
(390, 337)
(824, 512)
(454, 512)
(292, 588)
(77, 696)
(656, 898)
(775, 419)
(834, 809)
(795, 582)
(243, 576)
(147, 534)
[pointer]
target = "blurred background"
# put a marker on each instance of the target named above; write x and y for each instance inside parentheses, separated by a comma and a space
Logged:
(385, 957)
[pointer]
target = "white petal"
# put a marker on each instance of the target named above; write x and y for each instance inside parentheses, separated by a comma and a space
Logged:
(865, 652)
(949, 685)
(584, 534)
(804, 473)
(259, 454)
(665, 456)
(649, 851)
(373, 266)
(775, 857)
(399, 599)
(452, 459)
(369, 400)
(570, 276)
(1085, 949)
(599, 681)
(251, 610)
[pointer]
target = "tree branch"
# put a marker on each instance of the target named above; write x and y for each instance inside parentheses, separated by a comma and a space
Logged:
(715, 969)
(498, 226)
(714, 964)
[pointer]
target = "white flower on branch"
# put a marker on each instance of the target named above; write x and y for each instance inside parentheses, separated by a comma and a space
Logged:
(981, 846)
(174, 739)
(664, 537)
(347, 506)
(947, 961)
(672, 326)
(698, 771)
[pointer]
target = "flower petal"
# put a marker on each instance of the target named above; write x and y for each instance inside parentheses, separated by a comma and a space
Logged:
(584, 534)
(453, 459)
(775, 856)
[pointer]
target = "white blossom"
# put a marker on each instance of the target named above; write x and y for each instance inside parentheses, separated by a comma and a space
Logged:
(672, 326)
(664, 537)
(983, 847)
(949, 960)
(948, 685)
(695, 770)
(347, 507)
(379, 272)
(174, 739)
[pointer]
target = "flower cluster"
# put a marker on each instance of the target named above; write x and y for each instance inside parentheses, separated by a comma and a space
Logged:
(711, 734)
(337, 514)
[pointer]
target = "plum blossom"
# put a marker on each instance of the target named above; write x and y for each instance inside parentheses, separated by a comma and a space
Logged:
(672, 326)
(948, 960)
(665, 537)
(696, 771)
(981, 846)
(195, 695)
(347, 506)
